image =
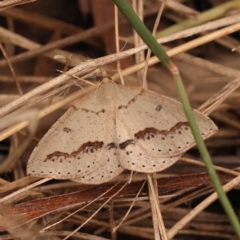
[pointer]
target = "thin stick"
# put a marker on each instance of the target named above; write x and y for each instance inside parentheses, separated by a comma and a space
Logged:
(14, 155)
(218, 98)
(86, 67)
(42, 113)
(140, 41)
(182, 48)
(195, 162)
(200, 207)
(54, 224)
(12, 3)
(157, 219)
(78, 37)
(77, 229)
(24, 189)
(137, 41)
(117, 43)
(12, 70)
(62, 78)
(130, 208)
(158, 224)
(149, 50)
(112, 222)
(79, 78)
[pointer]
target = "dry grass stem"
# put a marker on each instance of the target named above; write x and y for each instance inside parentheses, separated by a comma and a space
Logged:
(182, 48)
(4, 199)
(213, 102)
(205, 203)
(159, 228)
(144, 85)
(77, 229)
(183, 9)
(195, 162)
(100, 196)
(129, 210)
(117, 43)
(12, 3)
(12, 70)
(93, 64)
(61, 79)
(42, 113)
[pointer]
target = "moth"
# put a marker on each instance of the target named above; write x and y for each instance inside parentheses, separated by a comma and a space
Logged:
(113, 128)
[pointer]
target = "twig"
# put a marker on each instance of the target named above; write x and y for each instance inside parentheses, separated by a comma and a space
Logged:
(221, 169)
(82, 69)
(199, 208)
(43, 112)
(159, 228)
(182, 48)
(11, 3)
(214, 67)
(206, 16)
(102, 61)
(129, 210)
(117, 43)
(11, 69)
(59, 43)
(7, 36)
(149, 50)
(138, 8)
(91, 202)
(77, 229)
(218, 98)
(112, 222)
(2, 200)
(14, 155)
(181, 8)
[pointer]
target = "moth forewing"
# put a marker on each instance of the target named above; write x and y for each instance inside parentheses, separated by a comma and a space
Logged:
(154, 126)
(113, 128)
